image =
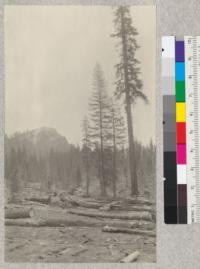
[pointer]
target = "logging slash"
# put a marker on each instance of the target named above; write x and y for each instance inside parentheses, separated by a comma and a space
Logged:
(131, 216)
(130, 258)
(109, 229)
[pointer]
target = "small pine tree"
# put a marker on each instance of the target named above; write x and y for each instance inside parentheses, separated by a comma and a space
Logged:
(98, 129)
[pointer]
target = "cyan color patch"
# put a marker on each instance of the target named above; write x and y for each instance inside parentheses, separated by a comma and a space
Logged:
(180, 71)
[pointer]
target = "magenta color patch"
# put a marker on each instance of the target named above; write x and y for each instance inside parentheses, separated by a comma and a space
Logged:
(181, 154)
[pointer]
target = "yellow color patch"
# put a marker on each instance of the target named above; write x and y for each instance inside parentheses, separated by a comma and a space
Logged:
(180, 112)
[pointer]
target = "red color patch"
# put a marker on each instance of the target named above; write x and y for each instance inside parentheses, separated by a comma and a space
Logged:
(180, 133)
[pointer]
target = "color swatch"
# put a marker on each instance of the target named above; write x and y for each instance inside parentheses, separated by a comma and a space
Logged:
(181, 133)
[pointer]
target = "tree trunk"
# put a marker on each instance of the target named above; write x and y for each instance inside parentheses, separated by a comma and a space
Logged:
(128, 216)
(131, 258)
(134, 185)
(138, 201)
(103, 187)
(114, 175)
(87, 167)
(68, 222)
(87, 182)
(101, 184)
(109, 229)
(22, 222)
(114, 156)
(44, 200)
(17, 213)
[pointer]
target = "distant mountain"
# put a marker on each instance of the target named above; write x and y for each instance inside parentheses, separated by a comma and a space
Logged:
(40, 141)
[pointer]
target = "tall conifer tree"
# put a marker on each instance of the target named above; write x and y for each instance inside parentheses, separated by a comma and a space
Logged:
(128, 83)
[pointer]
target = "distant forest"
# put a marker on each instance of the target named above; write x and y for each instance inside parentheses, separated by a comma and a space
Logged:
(31, 165)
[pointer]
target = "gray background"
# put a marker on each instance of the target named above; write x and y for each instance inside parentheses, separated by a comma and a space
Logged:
(178, 246)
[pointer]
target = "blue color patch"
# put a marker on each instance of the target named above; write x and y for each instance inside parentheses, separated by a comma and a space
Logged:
(180, 51)
(180, 71)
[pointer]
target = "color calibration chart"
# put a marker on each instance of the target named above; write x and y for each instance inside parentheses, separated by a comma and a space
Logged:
(181, 126)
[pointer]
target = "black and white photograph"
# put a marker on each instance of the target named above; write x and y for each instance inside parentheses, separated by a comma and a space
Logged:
(80, 139)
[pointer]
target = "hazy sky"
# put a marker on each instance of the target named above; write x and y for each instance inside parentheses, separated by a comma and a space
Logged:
(50, 53)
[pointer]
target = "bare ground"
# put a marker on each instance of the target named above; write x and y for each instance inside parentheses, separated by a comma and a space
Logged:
(74, 244)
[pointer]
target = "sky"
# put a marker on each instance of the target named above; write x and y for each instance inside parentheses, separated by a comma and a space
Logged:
(50, 54)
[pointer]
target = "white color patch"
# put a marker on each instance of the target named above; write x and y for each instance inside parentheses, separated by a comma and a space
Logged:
(181, 174)
(168, 47)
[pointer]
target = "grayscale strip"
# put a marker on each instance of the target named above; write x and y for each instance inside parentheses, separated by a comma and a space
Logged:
(169, 129)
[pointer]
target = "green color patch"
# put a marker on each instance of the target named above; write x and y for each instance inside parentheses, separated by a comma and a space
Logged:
(180, 91)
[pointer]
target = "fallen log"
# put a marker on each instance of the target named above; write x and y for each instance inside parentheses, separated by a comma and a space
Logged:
(146, 225)
(79, 250)
(68, 197)
(116, 207)
(129, 204)
(132, 207)
(22, 222)
(128, 216)
(77, 201)
(41, 222)
(31, 203)
(42, 200)
(130, 258)
(109, 206)
(138, 200)
(18, 213)
(64, 222)
(88, 204)
(109, 229)
(68, 222)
